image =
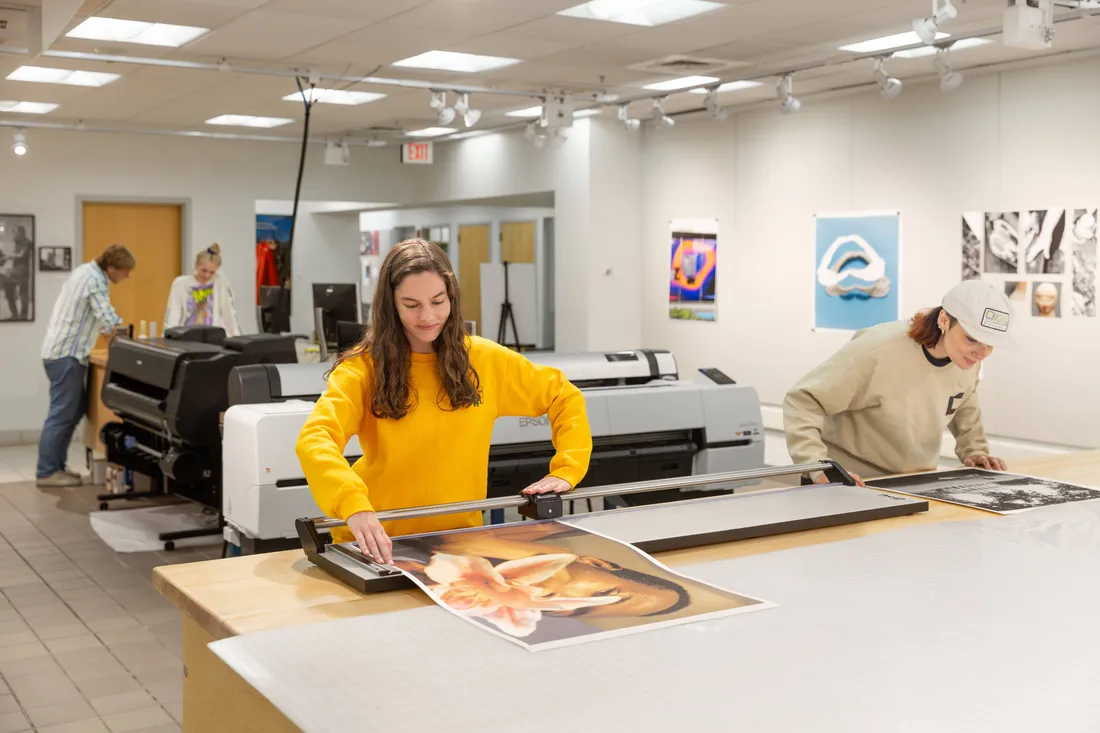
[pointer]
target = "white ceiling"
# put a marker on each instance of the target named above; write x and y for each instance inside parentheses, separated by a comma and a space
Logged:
(354, 38)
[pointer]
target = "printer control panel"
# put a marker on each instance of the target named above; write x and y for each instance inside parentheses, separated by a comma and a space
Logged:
(716, 376)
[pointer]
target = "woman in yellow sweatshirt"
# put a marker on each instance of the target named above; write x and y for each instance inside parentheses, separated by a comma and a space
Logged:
(422, 397)
(880, 405)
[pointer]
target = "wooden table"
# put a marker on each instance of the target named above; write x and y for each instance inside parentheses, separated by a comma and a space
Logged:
(96, 413)
(223, 598)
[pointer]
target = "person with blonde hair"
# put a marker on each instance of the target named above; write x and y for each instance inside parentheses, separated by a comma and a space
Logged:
(422, 396)
(204, 297)
(82, 312)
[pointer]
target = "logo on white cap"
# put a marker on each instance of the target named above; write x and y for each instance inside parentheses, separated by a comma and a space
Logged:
(995, 319)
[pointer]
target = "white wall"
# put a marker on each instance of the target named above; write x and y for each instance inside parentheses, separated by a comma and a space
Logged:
(1001, 142)
(457, 216)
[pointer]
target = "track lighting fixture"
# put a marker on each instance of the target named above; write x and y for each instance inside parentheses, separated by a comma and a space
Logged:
(888, 86)
(788, 103)
(926, 28)
(710, 102)
(19, 145)
(543, 137)
(462, 107)
(659, 118)
(949, 80)
(439, 104)
(624, 118)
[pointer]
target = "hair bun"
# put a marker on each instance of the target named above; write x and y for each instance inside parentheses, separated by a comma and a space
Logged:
(214, 249)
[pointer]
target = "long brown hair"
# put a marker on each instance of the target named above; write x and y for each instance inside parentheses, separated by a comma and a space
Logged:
(925, 327)
(388, 346)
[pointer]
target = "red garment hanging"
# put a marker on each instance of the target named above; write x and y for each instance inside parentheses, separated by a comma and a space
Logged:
(266, 271)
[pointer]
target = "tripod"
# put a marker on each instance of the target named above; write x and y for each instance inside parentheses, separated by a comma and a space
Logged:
(506, 317)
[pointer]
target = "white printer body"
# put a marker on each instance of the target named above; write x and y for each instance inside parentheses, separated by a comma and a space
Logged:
(645, 422)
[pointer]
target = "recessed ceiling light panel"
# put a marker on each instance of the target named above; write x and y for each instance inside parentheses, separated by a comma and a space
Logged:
(641, 12)
(887, 42)
(431, 132)
(683, 82)
(134, 31)
(248, 121)
(731, 86)
(960, 45)
(335, 96)
(46, 75)
(453, 61)
(27, 108)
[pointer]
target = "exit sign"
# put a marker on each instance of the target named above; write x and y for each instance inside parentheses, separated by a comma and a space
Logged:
(416, 153)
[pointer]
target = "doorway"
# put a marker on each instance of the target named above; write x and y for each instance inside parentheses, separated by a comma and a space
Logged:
(473, 249)
(154, 234)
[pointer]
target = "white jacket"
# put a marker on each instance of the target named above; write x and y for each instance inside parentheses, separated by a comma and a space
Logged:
(182, 305)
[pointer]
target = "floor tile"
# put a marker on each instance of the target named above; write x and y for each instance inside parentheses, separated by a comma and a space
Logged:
(136, 720)
(123, 702)
(74, 643)
(95, 725)
(173, 728)
(8, 704)
(17, 722)
(70, 712)
(106, 686)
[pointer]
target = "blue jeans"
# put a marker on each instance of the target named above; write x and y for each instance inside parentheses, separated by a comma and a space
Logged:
(66, 377)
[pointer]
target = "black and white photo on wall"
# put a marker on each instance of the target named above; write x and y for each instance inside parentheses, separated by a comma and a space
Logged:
(16, 268)
(55, 259)
(1083, 229)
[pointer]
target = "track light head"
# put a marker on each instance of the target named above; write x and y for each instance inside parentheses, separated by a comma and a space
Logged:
(462, 107)
(788, 103)
(949, 80)
(926, 28)
(19, 144)
(888, 86)
(624, 118)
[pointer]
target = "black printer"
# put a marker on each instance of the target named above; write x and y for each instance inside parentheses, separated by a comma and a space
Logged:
(170, 394)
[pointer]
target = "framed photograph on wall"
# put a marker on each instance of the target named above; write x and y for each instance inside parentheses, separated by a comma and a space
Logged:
(55, 259)
(16, 268)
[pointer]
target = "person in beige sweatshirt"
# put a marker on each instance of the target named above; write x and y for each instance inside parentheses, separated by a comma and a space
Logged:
(879, 406)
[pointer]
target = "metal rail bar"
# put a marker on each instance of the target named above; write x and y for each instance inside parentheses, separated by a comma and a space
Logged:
(637, 487)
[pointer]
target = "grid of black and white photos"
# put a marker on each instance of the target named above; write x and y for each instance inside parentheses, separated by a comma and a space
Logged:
(1046, 258)
(993, 491)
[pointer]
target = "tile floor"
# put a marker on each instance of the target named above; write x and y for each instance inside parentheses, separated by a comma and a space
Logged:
(87, 645)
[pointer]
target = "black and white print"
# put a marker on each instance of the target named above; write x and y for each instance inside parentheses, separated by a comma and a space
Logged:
(1043, 236)
(1002, 243)
(1082, 230)
(973, 237)
(55, 259)
(1003, 493)
(16, 268)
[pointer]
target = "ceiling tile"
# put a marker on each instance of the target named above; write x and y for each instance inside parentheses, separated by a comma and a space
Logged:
(502, 44)
(361, 10)
(561, 28)
(179, 12)
(265, 34)
(383, 43)
(471, 15)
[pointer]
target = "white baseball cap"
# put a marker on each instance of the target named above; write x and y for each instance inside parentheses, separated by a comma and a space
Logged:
(983, 310)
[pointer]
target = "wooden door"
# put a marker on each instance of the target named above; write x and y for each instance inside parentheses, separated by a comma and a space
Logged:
(517, 241)
(473, 249)
(153, 233)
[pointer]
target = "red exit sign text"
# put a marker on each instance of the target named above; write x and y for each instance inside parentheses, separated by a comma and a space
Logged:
(416, 153)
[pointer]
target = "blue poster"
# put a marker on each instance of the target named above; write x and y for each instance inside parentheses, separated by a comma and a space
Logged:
(856, 271)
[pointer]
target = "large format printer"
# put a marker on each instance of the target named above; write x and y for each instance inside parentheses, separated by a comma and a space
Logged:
(170, 394)
(646, 424)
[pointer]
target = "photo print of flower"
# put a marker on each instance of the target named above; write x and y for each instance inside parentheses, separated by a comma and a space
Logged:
(549, 584)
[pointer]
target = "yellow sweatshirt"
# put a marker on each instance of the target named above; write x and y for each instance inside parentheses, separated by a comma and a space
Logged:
(880, 405)
(432, 455)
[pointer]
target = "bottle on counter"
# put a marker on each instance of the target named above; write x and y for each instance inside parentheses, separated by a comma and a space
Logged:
(143, 334)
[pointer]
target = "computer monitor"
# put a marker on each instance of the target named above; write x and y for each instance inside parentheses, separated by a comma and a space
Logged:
(274, 309)
(338, 302)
